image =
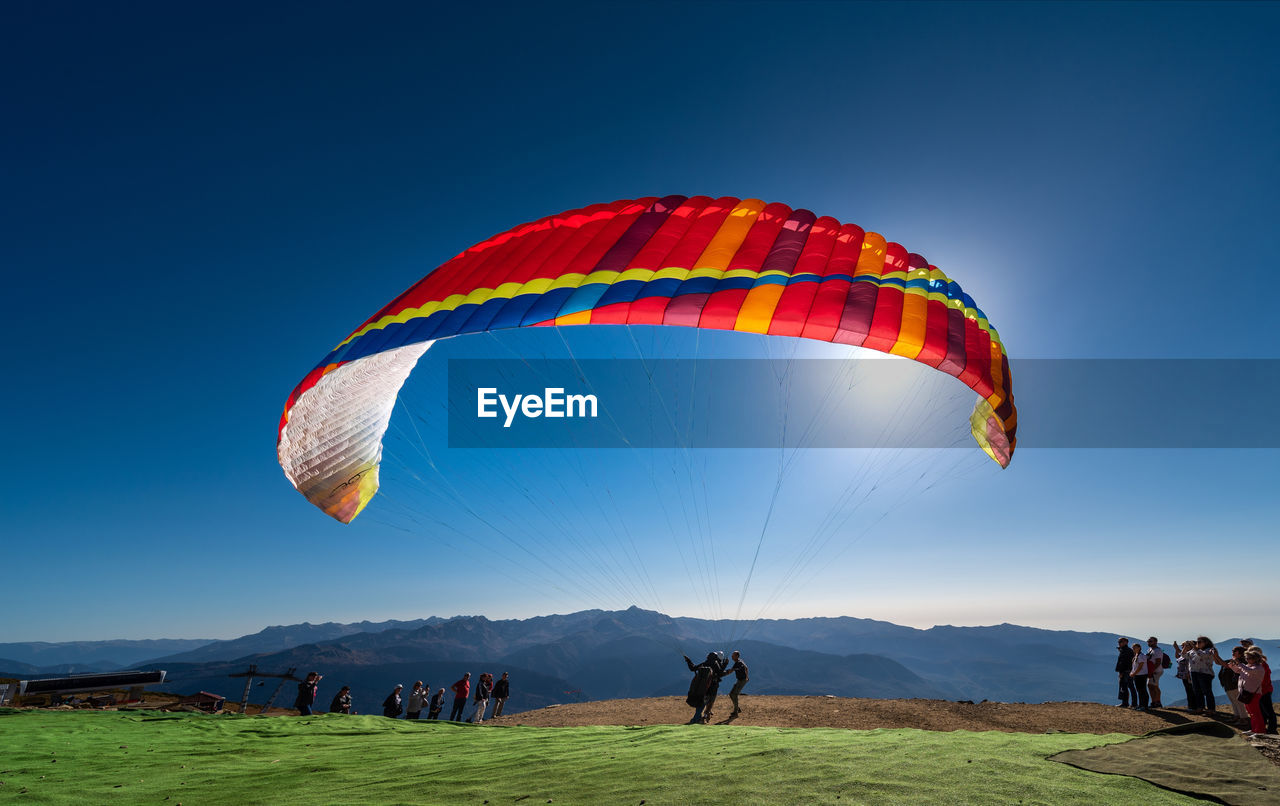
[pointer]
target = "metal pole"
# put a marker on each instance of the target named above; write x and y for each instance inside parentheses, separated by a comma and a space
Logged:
(285, 677)
(244, 701)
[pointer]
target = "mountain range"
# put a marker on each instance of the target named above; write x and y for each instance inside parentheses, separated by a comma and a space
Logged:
(70, 657)
(596, 654)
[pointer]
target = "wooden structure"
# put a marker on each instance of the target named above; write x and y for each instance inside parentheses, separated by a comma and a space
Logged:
(204, 701)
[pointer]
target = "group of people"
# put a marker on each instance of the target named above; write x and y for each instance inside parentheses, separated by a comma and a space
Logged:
(1245, 677)
(486, 688)
(420, 698)
(705, 686)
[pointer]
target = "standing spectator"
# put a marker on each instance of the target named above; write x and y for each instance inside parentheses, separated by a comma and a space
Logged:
(341, 701)
(1155, 668)
(739, 670)
(307, 693)
(1139, 674)
(417, 701)
(1200, 663)
(1181, 651)
(1265, 703)
(1249, 690)
(391, 705)
(461, 690)
(484, 687)
(1124, 665)
(1230, 684)
(437, 705)
(501, 690)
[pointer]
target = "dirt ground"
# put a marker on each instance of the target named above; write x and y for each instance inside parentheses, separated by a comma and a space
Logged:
(162, 701)
(863, 714)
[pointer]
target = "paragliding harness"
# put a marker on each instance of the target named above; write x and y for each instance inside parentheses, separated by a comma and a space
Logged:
(698, 686)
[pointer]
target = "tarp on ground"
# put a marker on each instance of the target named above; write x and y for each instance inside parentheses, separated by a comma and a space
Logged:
(1206, 760)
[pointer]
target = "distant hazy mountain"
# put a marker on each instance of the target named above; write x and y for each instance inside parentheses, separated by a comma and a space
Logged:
(13, 668)
(595, 654)
(274, 639)
(587, 655)
(102, 656)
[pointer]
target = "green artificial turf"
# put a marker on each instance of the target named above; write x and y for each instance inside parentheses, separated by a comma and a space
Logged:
(92, 758)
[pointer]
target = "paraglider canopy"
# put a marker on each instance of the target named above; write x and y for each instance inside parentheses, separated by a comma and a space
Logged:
(725, 264)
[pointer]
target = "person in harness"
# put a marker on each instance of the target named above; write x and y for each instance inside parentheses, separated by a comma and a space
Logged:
(705, 685)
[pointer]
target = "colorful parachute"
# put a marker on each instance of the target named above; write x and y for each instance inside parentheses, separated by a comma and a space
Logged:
(724, 263)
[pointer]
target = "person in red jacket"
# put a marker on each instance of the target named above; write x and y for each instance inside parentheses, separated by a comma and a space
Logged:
(1249, 684)
(461, 689)
(1265, 703)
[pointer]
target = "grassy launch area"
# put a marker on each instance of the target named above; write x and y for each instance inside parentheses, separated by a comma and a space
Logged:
(148, 757)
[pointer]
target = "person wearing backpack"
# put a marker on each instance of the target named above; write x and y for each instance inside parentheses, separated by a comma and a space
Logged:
(703, 675)
(739, 670)
(713, 684)
(1158, 662)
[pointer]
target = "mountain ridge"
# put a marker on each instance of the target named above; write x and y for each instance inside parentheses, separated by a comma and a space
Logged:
(636, 653)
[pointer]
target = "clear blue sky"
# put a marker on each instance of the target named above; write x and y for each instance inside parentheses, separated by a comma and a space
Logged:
(199, 202)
